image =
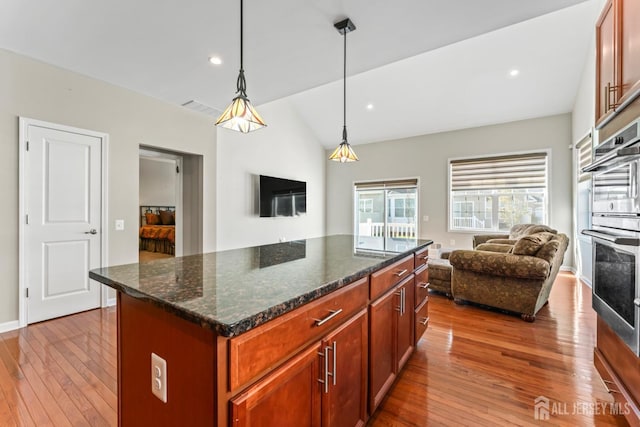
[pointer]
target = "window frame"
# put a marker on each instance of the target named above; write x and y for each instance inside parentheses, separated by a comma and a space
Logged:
(384, 184)
(549, 180)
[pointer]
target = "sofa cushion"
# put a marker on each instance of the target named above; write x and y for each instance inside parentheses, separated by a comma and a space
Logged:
(502, 241)
(520, 230)
(548, 251)
(494, 247)
(531, 244)
(500, 264)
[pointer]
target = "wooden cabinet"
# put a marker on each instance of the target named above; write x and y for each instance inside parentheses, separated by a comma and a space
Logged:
(324, 385)
(277, 340)
(390, 338)
(629, 12)
(606, 60)
(617, 57)
(619, 368)
(344, 401)
(288, 397)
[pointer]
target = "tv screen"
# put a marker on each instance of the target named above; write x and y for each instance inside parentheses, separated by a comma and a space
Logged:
(282, 197)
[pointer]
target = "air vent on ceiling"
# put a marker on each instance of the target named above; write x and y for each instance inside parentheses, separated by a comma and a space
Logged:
(202, 108)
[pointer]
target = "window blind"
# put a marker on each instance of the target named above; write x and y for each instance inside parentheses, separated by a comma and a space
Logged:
(499, 172)
(584, 157)
(403, 183)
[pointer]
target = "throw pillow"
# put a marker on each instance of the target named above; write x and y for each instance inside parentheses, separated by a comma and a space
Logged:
(531, 244)
(167, 218)
(152, 219)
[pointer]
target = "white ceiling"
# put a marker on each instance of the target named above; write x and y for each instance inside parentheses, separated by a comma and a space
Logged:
(396, 56)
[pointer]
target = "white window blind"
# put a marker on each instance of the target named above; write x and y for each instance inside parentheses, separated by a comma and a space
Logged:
(494, 193)
(503, 172)
(584, 157)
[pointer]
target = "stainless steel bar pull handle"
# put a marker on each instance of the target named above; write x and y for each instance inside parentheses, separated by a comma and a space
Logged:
(325, 379)
(92, 231)
(401, 273)
(424, 285)
(425, 321)
(333, 313)
(333, 374)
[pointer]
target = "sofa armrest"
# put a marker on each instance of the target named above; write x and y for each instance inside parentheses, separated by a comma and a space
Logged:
(500, 264)
(482, 238)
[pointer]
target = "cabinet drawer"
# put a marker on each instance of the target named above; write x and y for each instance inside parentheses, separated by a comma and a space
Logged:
(261, 349)
(422, 285)
(422, 319)
(385, 279)
(421, 258)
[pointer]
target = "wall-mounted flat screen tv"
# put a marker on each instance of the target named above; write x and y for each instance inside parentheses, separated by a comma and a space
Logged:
(282, 197)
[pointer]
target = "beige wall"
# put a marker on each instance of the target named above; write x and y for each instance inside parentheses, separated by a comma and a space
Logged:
(157, 182)
(36, 90)
(286, 148)
(425, 157)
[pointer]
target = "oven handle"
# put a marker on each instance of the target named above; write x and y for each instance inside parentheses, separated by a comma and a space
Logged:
(615, 158)
(617, 240)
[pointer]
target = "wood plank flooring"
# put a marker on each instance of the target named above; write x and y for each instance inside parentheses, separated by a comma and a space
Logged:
(481, 368)
(474, 367)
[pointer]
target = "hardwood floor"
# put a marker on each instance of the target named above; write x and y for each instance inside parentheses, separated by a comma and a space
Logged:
(60, 373)
(481, 368)
(473, 367)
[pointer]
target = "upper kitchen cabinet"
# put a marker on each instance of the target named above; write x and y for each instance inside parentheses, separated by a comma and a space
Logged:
(617, 58)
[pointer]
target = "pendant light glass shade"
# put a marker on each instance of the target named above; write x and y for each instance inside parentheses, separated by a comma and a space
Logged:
(344, 153)
(240, 115)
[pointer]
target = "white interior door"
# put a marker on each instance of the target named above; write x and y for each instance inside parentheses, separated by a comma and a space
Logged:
(62, 239)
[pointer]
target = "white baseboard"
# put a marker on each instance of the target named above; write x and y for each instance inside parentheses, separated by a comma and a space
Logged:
(111, 302)
(568, 268)
(9, 326)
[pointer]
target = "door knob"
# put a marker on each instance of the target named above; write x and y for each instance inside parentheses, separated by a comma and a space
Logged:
(92, 231)
(637, 302)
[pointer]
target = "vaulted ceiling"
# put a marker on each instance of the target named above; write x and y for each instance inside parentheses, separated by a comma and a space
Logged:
(424, 65)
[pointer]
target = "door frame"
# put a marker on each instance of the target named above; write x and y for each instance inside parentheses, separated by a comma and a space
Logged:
(159, 154)
(24, 123)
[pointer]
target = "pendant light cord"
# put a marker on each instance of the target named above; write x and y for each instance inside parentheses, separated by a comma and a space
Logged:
(344, 89)
(241, 84)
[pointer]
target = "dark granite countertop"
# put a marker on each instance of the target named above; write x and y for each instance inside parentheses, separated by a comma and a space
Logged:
(233, 291)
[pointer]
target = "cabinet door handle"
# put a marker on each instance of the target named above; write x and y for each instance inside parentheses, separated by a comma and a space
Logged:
(325, 380)
(333, 313)
(334, 349)
(426, 257)
(401, 273)
(425, 321)
(424, 285)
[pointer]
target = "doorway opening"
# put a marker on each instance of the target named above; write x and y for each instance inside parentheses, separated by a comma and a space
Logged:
(170, 204)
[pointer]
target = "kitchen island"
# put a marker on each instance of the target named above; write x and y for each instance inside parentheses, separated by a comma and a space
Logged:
(309, 332)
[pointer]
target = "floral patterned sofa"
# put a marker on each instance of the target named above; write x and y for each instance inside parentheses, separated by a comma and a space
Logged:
(513, 273)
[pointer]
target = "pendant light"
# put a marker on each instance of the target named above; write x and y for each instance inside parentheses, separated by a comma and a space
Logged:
(240, 115)
(344, 152)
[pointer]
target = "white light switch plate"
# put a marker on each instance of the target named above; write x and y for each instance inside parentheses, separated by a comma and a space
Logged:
(119, 224)
(159, 377)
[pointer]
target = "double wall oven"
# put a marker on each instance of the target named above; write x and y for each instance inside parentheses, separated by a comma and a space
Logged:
(615, 233)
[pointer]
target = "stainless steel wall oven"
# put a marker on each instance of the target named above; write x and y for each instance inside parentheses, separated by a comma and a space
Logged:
(615, 233)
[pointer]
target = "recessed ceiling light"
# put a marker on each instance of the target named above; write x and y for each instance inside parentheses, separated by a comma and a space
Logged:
(369, 106)
(215, 60)
(514, 72)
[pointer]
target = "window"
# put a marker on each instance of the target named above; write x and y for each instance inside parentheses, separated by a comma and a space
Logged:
(366, 205)
(494, 193)
(386, 214)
